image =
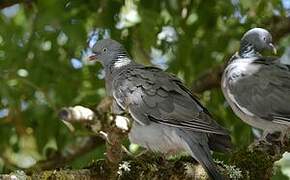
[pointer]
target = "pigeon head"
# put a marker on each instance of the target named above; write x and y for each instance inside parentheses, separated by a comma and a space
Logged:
(108, 52)
(255, 41)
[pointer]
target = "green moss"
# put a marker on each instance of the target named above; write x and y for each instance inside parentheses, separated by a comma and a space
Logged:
(255, 165)
(154, 166)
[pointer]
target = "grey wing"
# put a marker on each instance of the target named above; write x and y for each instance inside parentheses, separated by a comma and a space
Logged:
(263, 89)
(149, 94)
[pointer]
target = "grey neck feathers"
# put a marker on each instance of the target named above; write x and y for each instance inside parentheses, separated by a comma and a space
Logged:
(120, 61)
(247, 50)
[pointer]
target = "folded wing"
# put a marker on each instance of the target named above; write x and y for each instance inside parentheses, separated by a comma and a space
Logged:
(151, 95)
(262, 89)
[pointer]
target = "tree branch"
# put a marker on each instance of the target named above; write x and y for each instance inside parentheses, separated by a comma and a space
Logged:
(245, 163)
(71, 115)
(210, 79)
(147, 166)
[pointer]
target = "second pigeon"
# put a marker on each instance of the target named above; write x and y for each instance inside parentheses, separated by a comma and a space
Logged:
(258, 88)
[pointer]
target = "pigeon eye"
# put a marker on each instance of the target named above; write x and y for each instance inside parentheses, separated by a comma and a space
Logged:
(105, 49)
(264, 38)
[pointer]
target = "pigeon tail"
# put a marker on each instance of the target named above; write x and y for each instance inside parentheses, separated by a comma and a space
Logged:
(201, 153)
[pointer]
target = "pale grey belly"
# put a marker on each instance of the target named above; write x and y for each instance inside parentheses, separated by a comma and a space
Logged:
(157, 138)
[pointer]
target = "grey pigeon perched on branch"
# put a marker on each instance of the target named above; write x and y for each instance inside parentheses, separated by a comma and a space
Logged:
(258, 88)
(167, 118)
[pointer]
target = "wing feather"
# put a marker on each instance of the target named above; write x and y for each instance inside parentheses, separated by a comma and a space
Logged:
(153, 95)
(263, 88)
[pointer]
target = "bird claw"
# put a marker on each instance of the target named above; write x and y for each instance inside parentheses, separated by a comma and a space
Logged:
(270, 142)
(259, 144)
(279, 139)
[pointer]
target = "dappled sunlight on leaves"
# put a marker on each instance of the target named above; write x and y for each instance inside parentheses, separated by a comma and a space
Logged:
(44, 49)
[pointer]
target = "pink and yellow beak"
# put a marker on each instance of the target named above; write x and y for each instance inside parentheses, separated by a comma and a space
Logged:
(273, 48)
(92, 57)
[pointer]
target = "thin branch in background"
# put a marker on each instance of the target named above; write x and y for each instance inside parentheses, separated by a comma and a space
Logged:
(210, 79)
(71, 115)
(279, 27)
(8, 3)
(60, 160)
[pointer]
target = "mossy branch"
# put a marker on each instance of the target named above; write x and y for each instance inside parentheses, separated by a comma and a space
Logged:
(256, 163)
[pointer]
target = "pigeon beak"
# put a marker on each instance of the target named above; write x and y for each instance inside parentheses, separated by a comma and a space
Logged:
(273, 48)
(92, 57)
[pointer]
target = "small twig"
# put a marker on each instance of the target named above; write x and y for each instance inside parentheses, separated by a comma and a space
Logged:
(113, 134)
(208, 80)
(76, 114)
(58, 161)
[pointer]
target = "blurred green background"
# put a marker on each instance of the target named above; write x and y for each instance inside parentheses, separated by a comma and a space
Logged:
(43, 64)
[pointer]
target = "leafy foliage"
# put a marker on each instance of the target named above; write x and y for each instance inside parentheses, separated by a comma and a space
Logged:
(41, 67)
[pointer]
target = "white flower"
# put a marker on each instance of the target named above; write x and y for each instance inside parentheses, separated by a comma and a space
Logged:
(124, 167)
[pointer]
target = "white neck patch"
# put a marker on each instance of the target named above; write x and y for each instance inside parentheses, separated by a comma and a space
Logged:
(122, 61)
